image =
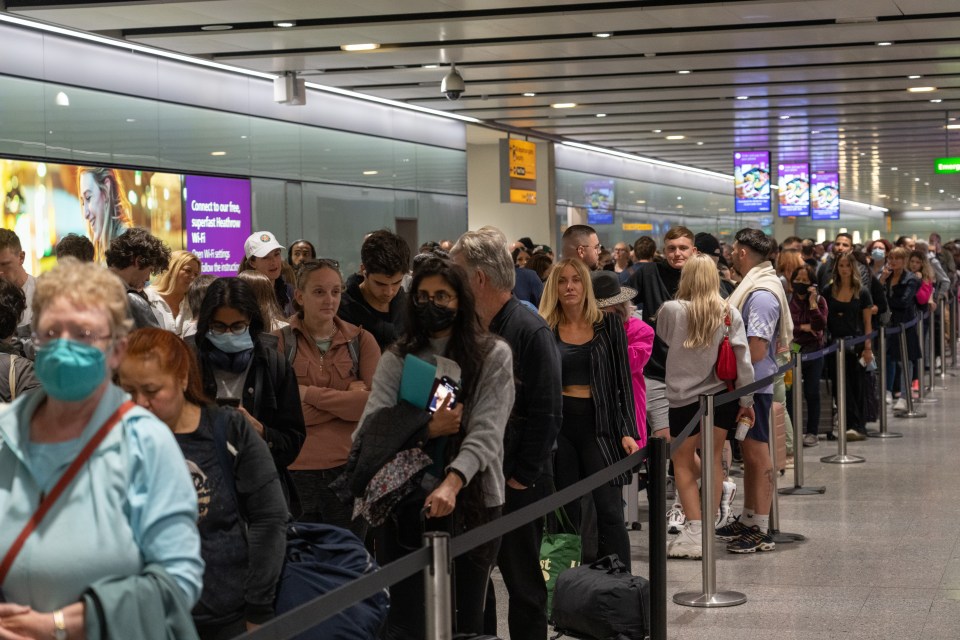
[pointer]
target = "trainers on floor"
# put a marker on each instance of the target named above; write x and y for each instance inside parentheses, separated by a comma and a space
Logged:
(689, 544)
(855, 436)
(900, 405)
(751, 541)
(788, 463)
(726, 502)
(810, 440)
(732, 530)
(889, 397)
(675, 518)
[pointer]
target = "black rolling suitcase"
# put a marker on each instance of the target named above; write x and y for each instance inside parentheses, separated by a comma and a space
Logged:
(602, 601)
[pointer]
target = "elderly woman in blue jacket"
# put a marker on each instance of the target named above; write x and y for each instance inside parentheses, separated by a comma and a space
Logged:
(118, 550)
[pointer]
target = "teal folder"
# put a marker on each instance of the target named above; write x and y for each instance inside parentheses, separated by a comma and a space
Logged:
(417, 381)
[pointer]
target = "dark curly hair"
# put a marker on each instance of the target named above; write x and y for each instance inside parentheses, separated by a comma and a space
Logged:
(385, 252)
(77, 246)
(138, 246)
(12, 303)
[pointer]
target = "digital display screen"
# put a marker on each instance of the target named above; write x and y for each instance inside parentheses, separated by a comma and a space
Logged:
(599, 196)
(751, 175)
(43, 202)
(825, 196)
(794, 193)
(217, 221)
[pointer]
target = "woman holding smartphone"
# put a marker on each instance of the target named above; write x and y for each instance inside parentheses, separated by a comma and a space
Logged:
(809, 312)
(465, 441)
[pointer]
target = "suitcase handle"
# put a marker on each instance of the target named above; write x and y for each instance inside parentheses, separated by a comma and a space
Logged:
(611, 564)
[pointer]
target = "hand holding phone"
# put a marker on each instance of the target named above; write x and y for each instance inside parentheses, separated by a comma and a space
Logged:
(445, 421)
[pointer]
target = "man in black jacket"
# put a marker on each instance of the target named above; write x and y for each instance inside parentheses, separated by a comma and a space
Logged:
(134, 257)
(531, 431)
(377, 303)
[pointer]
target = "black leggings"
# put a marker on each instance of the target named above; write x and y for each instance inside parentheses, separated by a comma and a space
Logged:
(578, 456)
(812, 372)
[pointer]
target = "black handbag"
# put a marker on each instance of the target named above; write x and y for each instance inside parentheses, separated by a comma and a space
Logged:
(602, 601)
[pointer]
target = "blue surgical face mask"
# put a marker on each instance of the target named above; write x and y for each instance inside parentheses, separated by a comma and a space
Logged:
(878, 254)
(70, 371)
(231, 342)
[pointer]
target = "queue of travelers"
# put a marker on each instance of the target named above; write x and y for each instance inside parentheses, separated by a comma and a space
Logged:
(208, 413)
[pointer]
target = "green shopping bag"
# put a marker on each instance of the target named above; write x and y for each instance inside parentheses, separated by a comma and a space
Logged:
(558, 552)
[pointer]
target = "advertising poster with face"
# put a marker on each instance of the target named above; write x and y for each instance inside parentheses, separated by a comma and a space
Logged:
(751, 175)
(599, 196)
(825, 201)
(43, 202)
(794, 192)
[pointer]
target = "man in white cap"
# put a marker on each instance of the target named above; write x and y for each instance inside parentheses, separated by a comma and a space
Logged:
(263, 254)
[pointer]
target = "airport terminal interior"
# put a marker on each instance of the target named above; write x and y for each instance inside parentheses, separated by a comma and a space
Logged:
(327, 120)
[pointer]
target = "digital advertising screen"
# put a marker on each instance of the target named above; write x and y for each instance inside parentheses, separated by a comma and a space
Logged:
(751, 176)
(794, 192)
(599, 196)
(217, 221)
(825, 196)
(44, 201)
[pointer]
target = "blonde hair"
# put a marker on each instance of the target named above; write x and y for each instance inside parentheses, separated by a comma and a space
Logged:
(550, 301)
(700, 287)
(178, 260)
(86, 285)
(262, 288)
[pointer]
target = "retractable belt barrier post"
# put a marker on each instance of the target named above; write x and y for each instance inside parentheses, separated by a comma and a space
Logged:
(841, 395)
(798, 489)
(708, 597)
(941, 338)
(882, 368)
(923, 395)
(930, 348)
(954, 309)
(911, 411)
(437, 586)
(657, 449)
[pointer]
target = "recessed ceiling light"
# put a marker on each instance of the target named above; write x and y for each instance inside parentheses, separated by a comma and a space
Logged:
(602, 34)
(601, 115)
(218, 153)
(675, 137)
(684, 72)
(914, 77)
(641, 202)
(131, 119)
(921, 89)
(243, 137)
(885, 43)
(916, 179)
(893, 168)
(784, 117)
(370, 173)
(927, 208)
(216, 27)
(61, 99)
(529, 94)
(368, 46)
(430, 66)
(926, 184)
(679, 197)
(743, 97)
(285, 24)
(656, 130)
(814, 132)
(936, 101)
(941, 190)
(700, 144)
(564, 105)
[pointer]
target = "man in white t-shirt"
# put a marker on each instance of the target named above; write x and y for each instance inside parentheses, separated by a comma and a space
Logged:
(11, 270)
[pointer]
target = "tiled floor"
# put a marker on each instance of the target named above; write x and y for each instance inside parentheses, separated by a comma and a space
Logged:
(881, 559)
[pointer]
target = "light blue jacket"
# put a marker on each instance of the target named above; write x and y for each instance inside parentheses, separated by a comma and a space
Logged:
(131, 505)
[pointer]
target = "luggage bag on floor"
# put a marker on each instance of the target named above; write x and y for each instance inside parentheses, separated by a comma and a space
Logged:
(602, 601)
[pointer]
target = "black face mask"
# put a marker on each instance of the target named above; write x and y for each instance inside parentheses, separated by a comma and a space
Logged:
(433, 317)
(800, 288)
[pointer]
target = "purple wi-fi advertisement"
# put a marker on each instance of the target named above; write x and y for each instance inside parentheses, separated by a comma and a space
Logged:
(217, 212)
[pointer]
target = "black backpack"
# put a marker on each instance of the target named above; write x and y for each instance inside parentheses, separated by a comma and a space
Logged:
(602, 601)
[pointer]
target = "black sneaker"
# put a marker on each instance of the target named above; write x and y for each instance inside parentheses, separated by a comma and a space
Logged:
(751, 541)
(732, 530)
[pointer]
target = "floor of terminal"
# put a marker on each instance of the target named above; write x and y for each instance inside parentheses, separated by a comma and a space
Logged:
(882, 555)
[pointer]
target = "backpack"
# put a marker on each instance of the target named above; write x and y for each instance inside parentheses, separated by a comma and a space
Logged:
(290, 349)
(602, 601)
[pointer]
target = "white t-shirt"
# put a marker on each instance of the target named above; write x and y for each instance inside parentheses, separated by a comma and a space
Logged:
(29, 288)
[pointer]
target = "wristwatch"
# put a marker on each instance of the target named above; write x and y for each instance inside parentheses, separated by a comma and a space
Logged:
(59, 625)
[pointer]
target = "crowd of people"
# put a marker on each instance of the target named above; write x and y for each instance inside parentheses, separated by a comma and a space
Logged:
(172, 430)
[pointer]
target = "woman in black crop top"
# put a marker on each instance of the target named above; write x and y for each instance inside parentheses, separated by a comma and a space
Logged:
(598, 418)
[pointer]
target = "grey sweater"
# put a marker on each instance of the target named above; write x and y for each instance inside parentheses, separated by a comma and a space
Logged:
(484, 419)
(691, 372)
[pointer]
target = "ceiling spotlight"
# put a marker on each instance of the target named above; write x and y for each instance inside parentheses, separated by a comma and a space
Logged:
(914, 77)
(62, 99)
(529, 94)
(656, 130)
(675, 137)
(601, 115)
(743, 97)
(784, 117)
(602, 34)
(921, 89)
(564, 105)
(700, 144)
(684, 72)
(370, 173)
(893, 168)
(936, 100)
(916, 179)
(369, 46)
(218, 153)
(216, 27)
(285, 24)
(430, 66)
(885, 43)
(814, 132)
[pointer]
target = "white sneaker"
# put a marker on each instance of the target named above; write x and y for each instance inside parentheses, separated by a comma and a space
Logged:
(900, 405)
(688, 544)
(726, 502)
(889, 398)
(675, 519)
(671, 488)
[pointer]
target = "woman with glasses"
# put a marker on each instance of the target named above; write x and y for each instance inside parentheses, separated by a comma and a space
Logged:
(238, 369)
(465, 483)
(242, 516)
(334, 363)
(599, 424)
(119, 548)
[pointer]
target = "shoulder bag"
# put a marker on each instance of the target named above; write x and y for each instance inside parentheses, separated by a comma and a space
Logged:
(726, 367)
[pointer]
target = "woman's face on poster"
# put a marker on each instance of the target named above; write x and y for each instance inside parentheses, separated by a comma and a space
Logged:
(95, 203)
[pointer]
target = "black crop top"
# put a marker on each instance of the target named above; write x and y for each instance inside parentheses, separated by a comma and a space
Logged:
(575, 363)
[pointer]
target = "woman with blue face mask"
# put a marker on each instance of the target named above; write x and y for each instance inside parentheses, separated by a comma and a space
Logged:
(120, 538)
(241, 367)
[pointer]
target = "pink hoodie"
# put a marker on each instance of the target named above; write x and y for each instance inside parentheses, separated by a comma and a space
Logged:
(639, 347)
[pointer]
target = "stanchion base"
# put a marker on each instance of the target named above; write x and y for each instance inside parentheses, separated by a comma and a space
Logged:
(845, 459)
(884, 434)
(801, 491)
(782, 537)
(700, 599)
(909, 414)
(927, 400)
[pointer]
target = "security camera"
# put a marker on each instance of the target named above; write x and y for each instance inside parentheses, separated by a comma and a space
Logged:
(452, 85)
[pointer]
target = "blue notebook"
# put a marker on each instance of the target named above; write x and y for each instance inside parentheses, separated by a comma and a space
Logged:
(417, 380)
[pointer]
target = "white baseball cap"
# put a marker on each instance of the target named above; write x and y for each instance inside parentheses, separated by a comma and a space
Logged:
(260, 244)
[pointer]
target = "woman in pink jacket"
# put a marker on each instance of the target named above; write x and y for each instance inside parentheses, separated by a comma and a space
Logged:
(614, 298)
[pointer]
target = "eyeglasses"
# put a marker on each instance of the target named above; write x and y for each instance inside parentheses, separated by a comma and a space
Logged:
(440, 298)
(237, 328)
(77, 334)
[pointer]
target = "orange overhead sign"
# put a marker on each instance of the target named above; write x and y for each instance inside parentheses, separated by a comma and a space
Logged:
(523, 159)
(518, 171)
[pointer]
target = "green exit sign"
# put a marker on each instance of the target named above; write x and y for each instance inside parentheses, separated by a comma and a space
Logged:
(948, 165)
